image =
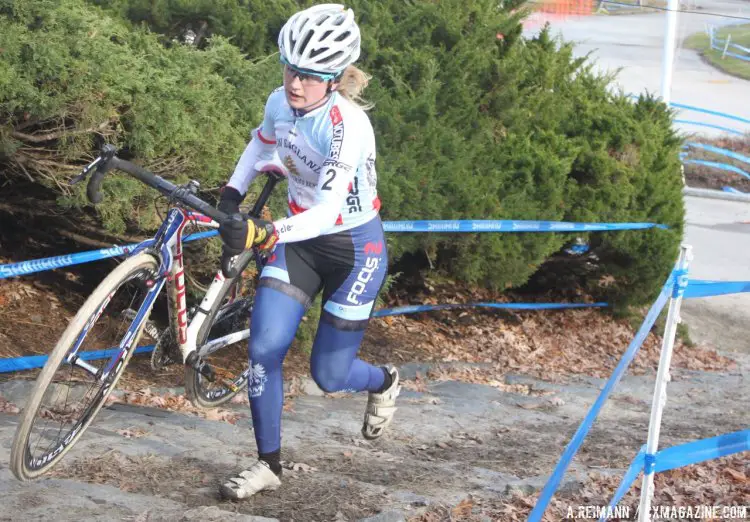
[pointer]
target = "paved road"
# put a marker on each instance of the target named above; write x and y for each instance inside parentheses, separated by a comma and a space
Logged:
(719, 232)
(634, 43)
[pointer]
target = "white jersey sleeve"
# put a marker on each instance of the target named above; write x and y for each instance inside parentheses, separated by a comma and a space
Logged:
(261, 147)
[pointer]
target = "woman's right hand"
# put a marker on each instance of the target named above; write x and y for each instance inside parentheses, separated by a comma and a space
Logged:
(240, 232)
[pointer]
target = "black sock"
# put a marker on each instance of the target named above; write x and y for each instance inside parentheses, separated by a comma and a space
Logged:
(387, 380)
(273, 460)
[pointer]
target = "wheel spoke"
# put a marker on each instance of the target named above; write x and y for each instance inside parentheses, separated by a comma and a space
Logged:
(72, 389)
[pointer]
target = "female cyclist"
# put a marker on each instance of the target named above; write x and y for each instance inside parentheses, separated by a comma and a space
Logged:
(316, 132)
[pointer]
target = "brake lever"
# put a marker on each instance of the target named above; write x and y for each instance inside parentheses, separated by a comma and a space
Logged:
(85, 171)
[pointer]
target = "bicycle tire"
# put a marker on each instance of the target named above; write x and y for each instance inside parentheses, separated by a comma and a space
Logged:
(22, 463)
(195, 384)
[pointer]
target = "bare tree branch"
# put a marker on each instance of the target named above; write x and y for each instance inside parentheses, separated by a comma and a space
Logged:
(49, 136)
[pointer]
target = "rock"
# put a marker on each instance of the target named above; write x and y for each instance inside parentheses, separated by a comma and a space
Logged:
(385, 516)
(214, 514)
(310, 388)
(16, 391)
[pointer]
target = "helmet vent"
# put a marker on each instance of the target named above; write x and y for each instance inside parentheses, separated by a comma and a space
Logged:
(306, 41)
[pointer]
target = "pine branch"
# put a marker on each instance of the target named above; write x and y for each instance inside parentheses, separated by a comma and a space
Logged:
(49, 136)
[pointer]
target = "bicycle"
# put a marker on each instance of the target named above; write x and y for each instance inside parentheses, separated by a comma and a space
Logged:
(151, 266)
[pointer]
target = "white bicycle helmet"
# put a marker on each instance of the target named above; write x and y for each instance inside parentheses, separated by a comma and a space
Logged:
(323, 38)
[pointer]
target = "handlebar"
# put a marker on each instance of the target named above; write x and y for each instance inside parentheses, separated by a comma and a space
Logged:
(107, 161)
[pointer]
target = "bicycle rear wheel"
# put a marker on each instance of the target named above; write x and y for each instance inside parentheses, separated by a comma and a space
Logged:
(222, 342)
(79, 375)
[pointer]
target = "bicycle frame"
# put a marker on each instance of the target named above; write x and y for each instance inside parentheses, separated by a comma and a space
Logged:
(187, 334)
(167, 245)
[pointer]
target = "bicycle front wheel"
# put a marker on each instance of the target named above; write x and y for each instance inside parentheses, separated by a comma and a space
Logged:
(84, 366)
(222, 341)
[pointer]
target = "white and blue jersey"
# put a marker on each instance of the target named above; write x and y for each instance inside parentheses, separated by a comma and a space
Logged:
(329, 156)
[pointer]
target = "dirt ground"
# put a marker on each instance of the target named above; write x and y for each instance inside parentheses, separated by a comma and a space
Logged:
(428, 473)
(459, 452)
(490, 401)
(188, 480)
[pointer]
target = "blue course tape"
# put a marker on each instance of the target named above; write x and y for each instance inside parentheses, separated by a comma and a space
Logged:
(708, 111)
(37, 361)
(475, 225)
(403, 310)
(570, 450)
(718, 150)
(680, 456)
(717, 165)
(700, 288)
(722, 43)
(627, 480)
(699, 109)
(681, 282)
(649, 463)
(738, 56)
(50, 263)
(732, 190)
(710, 125)
(702, 450)
(17, 364)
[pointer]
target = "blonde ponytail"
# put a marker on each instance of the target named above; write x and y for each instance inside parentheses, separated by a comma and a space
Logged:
(353, 81)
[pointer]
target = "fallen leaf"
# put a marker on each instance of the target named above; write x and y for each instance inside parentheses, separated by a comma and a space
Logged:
(737, 476)
(132, 433)
(172, 402)
(463, 508)
(299, 466)
(8, 407)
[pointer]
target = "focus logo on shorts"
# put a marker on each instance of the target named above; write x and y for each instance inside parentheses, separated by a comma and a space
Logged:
(364, 276)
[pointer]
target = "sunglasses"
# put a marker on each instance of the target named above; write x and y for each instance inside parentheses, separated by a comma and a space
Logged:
(307, 76)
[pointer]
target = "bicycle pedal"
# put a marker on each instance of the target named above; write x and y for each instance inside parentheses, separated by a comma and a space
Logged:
(202, 367)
